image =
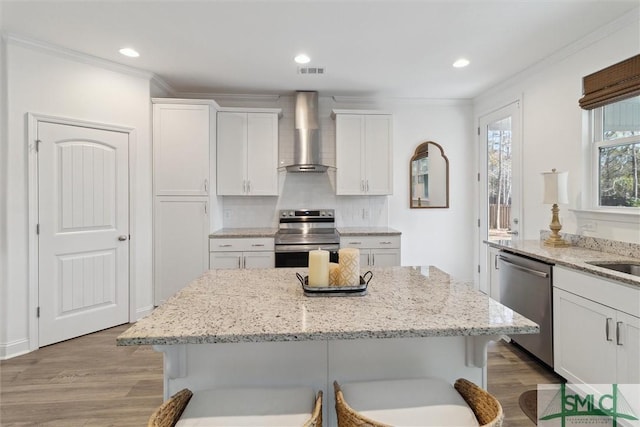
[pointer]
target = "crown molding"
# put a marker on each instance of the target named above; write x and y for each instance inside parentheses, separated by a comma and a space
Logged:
(230, 96)
(162, 84)
(13, 39)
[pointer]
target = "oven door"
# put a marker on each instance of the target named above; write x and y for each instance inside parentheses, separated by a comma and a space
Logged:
(298, 255)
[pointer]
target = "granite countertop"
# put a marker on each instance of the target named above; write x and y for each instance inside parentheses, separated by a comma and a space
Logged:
(572, 257)
(244, 232)
(226, 306)
(367, 231)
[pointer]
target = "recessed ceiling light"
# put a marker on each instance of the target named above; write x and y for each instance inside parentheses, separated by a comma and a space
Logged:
(460, 63)
(127, 51)
(302, 59)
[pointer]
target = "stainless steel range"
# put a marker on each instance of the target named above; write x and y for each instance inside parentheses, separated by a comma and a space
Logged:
(303, 230)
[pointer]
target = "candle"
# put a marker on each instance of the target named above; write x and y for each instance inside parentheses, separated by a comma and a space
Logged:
(319, 268)
(334, 274)
(349, 261)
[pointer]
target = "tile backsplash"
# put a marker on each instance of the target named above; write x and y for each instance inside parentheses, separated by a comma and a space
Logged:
(305, 191)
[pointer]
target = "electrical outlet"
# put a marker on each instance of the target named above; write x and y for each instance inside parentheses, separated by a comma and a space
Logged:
(228, 213)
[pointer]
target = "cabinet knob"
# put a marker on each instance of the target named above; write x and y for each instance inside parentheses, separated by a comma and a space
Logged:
(122, 238)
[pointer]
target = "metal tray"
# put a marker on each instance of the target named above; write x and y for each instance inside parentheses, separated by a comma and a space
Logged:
(336, 291)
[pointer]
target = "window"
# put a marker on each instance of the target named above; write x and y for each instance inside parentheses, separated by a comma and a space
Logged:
(612, 96)
(616, 153)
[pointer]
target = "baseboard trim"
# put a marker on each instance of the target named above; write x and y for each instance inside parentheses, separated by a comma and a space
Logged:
(142, 312)
(14, 349)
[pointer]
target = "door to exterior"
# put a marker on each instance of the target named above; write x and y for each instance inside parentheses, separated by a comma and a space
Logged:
(500, 183)
(83, 223)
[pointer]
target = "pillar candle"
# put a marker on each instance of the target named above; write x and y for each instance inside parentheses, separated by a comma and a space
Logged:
(334, 274)
(349, 261)
(319, 268)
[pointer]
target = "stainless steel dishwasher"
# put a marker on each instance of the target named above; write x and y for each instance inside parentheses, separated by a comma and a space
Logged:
(525, 287)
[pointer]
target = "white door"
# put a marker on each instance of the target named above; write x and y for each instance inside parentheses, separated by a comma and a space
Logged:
(83, 243)
(232, 154)
(259, 260)
(349, 154)
(377, 154)
(228, 260)
(385, 257)
(628, 346)
(500, 216)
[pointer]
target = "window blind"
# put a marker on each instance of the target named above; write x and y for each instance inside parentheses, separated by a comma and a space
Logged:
(611, 84)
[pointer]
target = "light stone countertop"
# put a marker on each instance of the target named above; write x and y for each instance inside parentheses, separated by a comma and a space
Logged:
(244, 232)
(367, 231)
(227, 306)
(572, 257)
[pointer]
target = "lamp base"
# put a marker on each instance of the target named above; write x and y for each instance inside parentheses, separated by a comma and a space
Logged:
(556, 242)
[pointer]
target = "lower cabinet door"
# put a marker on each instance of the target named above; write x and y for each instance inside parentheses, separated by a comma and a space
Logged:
(385, 257)
(628, 345)
(228, 260)
(181, 240)
(584, 339)
(259, 260)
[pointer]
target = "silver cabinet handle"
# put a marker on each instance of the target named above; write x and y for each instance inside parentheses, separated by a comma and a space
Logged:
(525, 269)
(373, 259)
(495, 262)
(385, 243)
(248, 186)
(122, 238)
(224, 246)
(362, 185)
(514, 233)
(239, 262)
(367, 187)
(618, 333)
(368, 259)
(355, 243)
(256, 245)
(244, 262)
(607, 325)
(206, 185)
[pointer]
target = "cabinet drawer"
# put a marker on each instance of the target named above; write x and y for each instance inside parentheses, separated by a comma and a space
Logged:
(610, 293)
(370, 242)
(241, 244)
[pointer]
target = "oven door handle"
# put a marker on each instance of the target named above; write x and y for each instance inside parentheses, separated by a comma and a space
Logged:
(305, 248)
(524, 269)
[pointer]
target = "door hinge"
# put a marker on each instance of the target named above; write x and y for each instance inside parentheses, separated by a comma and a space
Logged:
(38, 145)
(37, 228)
(38, 312)
(478, 222)
(205, 209)
(478, 268)
(478, 176)
(478, 130)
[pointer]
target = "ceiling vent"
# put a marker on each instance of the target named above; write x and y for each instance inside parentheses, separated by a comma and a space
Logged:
(311, 70)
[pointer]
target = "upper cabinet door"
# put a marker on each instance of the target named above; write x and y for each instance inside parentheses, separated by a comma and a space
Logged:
(363, 153)
(377, 154)
(262, 154)
(350, 179)
(247, 153)
(181, 137)
(232, 153)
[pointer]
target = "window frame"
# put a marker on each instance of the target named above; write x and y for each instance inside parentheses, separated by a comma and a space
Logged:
(596, 141)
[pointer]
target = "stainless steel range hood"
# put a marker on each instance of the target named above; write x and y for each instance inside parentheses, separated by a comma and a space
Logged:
(306, 144)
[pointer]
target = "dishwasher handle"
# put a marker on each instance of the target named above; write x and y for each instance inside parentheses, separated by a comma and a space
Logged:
(525, 269)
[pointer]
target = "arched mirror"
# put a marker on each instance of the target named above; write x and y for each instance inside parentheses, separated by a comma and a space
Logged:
(429, 177)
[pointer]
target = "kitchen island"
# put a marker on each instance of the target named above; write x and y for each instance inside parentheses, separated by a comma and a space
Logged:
(256, 327)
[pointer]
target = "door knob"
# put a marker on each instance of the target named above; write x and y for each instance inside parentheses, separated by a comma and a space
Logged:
(122, 238)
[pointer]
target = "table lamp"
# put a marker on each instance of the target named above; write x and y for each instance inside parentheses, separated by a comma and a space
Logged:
(555, 192)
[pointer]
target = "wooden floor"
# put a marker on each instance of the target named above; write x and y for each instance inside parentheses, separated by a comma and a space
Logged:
(89, 381)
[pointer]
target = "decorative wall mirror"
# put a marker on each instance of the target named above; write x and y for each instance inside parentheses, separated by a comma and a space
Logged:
(429, 177)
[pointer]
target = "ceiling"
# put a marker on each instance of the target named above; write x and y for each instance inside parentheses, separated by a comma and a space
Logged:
(386, 48)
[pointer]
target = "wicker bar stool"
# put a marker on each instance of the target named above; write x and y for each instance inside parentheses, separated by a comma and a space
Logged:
(423, 401)
(295, 406)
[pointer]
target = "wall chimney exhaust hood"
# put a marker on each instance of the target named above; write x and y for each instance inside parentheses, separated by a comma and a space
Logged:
(306, 143)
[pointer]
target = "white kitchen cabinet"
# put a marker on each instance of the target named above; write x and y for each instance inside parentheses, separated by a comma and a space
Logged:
(237, 253)
(247, 152)
(596, 329)
(180, 240)
(494, 274)
(181, 140)
(378, 251)
(182, 136)
(363, 152)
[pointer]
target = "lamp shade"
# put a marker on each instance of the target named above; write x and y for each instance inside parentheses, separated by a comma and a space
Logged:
(555, 187)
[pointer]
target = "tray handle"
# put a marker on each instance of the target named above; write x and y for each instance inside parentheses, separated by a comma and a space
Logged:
(300, 278)
(367, 277)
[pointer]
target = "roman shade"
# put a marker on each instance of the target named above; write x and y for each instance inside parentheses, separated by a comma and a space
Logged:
(611, 84)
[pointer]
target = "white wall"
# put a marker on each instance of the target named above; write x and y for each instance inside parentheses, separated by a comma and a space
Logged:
(50, 82)
(553, 124)
(440, 237)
